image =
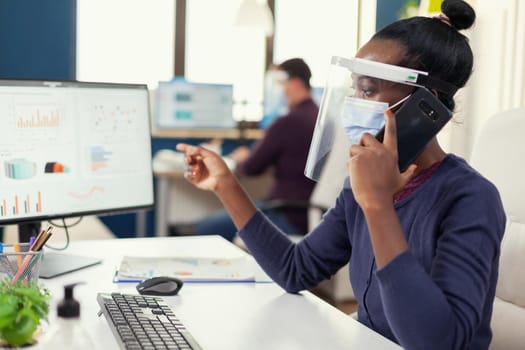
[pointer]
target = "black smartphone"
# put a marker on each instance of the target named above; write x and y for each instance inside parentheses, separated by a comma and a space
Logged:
(418, 120)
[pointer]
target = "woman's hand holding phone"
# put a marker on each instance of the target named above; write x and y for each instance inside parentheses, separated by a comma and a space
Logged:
(373, 168)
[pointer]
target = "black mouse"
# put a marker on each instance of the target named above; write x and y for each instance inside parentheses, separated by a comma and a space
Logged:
(163, 286)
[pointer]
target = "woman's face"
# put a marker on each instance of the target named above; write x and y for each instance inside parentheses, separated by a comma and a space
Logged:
(369, 88)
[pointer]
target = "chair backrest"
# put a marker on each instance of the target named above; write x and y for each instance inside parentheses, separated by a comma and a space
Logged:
(330, 182)
(499, 155)
(325, 193)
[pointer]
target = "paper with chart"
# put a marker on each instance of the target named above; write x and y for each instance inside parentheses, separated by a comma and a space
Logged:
(195, 269)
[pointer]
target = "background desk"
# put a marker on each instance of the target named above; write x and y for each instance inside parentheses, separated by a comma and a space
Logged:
(236, 134)
(178, 201)
(220, 316)
(145, 223)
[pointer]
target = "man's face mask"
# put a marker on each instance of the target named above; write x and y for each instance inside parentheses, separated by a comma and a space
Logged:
(275, 101)
(360, 116)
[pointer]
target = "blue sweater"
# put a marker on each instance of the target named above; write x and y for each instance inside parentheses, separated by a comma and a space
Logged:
(438, 294)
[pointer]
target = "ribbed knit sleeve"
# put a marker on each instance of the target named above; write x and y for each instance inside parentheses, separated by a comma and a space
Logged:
(299, 266)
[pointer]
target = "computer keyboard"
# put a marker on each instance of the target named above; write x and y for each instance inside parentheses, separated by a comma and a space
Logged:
(144, 322)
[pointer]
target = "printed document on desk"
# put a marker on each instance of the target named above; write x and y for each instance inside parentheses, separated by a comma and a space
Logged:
(188, 269)
(215, 260)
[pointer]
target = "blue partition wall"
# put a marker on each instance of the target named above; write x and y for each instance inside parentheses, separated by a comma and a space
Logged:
(389, 11)
(37, 39)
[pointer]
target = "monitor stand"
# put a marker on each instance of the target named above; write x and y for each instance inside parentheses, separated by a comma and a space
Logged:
(28, 230)
(54, 264)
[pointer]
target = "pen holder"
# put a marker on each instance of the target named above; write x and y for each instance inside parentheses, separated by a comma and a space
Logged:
(12, 262)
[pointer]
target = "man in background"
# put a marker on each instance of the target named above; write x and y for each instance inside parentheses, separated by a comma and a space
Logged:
(284, 148)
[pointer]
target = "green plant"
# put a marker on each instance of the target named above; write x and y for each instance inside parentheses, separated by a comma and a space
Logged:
(22, 306)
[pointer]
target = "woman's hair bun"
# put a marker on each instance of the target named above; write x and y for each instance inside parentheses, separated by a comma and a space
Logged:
(460, 14)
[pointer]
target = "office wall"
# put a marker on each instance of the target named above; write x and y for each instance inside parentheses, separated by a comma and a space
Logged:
(37, 39)
(497, 83)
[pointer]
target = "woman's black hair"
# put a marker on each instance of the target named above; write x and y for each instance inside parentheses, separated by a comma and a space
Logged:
(435, 46)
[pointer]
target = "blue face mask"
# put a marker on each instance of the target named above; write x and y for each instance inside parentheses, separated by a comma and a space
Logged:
(275, 101)
(360, 116)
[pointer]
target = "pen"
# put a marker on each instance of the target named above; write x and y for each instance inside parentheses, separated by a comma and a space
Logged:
(46, 239)
(37, 245)
(16, 248)
(41, 239)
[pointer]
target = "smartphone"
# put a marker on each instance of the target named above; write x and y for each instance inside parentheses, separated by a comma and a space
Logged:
(418, 120)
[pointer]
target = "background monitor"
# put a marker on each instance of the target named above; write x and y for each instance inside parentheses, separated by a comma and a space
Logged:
(181, 104)
(73, 149)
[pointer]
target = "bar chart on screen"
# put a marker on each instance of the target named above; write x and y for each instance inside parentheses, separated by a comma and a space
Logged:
(21, 204)
(100, 157)
(37, 116)
(113, 159)
(34, 123)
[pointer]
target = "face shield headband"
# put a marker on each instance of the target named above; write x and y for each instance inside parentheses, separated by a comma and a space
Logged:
(330, 145)
(396, 74)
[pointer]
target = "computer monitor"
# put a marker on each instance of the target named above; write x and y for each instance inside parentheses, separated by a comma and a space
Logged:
(72, 149)
(181, 104)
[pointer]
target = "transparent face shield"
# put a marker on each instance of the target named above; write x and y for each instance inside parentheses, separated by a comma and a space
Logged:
(356, 95)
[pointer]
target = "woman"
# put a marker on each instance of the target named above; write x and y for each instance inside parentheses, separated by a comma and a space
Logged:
(423, 245)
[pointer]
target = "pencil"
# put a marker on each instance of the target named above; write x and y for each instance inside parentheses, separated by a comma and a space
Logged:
(34, 260)
(16, 248)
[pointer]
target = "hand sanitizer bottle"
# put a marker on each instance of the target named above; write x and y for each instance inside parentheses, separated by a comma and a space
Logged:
(68, 331)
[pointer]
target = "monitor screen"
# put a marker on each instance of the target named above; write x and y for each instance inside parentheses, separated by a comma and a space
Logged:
(73, 148)
(182, 104)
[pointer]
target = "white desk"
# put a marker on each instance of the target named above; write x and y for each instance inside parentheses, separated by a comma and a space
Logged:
(220, 316)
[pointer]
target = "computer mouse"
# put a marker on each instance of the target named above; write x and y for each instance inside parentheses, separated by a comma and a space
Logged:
(163, 286)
